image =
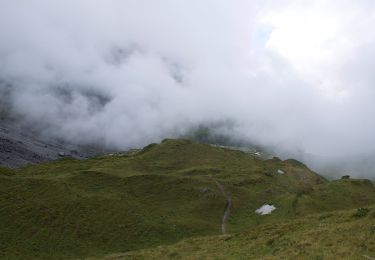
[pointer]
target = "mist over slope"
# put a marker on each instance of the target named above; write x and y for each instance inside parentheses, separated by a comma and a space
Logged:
(292, 75)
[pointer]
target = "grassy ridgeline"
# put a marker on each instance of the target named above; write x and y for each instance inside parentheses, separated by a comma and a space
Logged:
(156, 196)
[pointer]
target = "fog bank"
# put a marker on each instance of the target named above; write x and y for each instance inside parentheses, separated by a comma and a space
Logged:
(290, 74)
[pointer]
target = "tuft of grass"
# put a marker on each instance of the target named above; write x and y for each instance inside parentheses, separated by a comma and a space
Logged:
(361, 212)
(6, 172)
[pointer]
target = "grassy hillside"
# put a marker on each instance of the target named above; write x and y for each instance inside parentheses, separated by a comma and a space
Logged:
(158, 196)
(335, 235)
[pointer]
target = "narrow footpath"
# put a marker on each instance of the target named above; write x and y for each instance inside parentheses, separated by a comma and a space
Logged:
(228, 206)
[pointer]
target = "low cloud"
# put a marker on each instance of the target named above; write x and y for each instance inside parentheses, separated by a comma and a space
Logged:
(289, 74)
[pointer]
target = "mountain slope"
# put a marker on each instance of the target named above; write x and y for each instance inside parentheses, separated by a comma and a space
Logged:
(156, 196)
(336, 235)
(19, 146)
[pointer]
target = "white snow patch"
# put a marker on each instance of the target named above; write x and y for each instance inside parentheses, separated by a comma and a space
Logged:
(280, 171)
(265, 209)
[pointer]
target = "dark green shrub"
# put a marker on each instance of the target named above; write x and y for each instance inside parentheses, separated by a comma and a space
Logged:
(361, 212)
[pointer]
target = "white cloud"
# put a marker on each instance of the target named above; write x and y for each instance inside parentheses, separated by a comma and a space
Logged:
(294, 74)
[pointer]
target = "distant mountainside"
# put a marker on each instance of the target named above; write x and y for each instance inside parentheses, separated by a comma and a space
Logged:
(20, 146)
(139, 203)
(21, 141)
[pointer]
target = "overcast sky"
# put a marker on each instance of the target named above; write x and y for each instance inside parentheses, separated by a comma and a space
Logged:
(295, 74)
